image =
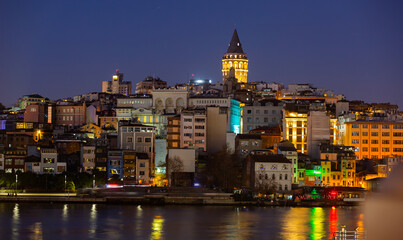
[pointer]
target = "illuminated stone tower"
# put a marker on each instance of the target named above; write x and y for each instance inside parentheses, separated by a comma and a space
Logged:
(236, 58)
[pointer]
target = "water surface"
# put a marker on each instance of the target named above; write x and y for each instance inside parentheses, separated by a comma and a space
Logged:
(100, 221)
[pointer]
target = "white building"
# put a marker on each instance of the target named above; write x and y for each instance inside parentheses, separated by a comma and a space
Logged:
(117, 85)
(49, 162)
(136, 101)
(265, 85)
(160, 154)
(318, 128)
(142, 168)
(186, 155)
(193, 129)
(170, 100)
(88, 158)
(206, 101)
(268, 171)
(139, 138)
(393, 162)
(263, 113)
(290, 152)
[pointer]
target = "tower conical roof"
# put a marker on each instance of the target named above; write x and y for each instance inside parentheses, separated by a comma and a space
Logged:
(235, 45)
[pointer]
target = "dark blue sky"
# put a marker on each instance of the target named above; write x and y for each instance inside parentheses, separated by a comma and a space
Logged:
(66, 48)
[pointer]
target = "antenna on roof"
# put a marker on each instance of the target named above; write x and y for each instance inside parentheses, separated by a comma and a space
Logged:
(235, 23)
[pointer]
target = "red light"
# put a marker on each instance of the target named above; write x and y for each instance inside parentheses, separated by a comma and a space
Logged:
(333, 193)
(333, 207)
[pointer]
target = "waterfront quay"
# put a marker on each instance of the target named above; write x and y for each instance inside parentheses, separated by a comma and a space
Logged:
(179, 196)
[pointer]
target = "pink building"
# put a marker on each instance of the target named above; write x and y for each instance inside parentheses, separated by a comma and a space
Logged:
(193, 129)
(70, 115)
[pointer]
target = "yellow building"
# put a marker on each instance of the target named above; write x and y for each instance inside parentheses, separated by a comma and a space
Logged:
(338, 165)
(326, 175)
(92, 128)
(333, 131)
(373, 139)
(294, 129)
(235, 58)
(108, 122)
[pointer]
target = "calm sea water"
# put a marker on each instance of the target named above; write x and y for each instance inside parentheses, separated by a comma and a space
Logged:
(98, 221)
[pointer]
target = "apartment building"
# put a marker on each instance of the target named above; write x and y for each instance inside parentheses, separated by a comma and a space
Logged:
(263, 113)
(373, 139)
(140, 138)
(193, 129)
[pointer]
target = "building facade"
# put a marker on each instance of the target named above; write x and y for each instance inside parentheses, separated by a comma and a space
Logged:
(193, 129)
(266, 172)
(149, 84)
(373, 139)
(117, 85)
(259, 114)
(88, 158)
(139, 138)
(71, 116)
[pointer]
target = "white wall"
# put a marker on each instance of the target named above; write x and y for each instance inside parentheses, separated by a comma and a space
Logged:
(187, 156)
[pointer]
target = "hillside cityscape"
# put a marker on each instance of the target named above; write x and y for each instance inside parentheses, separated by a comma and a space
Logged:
(232, 136)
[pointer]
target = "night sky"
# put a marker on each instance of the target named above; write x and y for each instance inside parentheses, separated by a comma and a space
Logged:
(66, 48)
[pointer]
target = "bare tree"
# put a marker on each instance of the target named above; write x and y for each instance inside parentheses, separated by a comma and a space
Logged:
(224, 170)
(172, 165)
(264, 183)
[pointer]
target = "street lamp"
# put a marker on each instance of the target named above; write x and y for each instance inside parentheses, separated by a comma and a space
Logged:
(93, 181)
(16, 183)
(65, 184)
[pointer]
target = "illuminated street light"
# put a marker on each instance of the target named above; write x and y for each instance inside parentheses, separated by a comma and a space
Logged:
(65, 183)
(16, 183)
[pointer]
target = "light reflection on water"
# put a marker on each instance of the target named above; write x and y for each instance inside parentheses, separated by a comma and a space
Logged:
(16, 222)
(236, 225)
(295, 224)
(157, 227)
(317, 221)
(36, 231)
(65, 212)
(97, 221)
(332, 222)
(93, 221)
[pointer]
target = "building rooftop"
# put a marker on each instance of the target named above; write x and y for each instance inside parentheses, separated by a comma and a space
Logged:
(235, 45)
(34, 95)
(287, 148)
(32, 158)
(272, 130)
(248, 136)
(137, 96)
(207, 96)
(142, 155)
(275, 158)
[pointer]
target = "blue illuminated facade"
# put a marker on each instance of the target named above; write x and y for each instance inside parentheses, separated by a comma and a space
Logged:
(115, 163)
(235, 116)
